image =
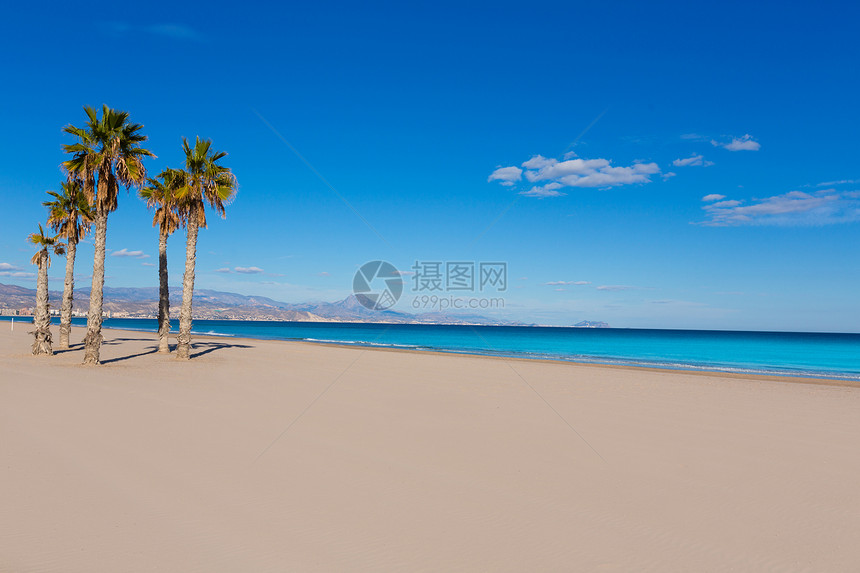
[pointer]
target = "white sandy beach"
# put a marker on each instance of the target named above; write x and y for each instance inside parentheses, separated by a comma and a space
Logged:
(274, 456)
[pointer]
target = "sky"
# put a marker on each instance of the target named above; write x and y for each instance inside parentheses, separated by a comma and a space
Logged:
(650, 165)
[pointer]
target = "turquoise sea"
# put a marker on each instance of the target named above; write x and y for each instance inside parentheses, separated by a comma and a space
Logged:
(821, 355)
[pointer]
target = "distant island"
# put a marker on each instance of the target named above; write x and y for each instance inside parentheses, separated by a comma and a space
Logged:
(127, 302)
(591, 324)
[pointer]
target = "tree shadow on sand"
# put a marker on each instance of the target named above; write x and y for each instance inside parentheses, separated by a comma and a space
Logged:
(115, 341)
(201, 349)
(212, 347)
(71, 348)
(150, 350)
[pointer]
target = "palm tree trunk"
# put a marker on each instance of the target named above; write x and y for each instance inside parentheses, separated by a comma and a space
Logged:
(163, 296)
(93, 339)
(42, 318)
(183, 348)
(68, 295)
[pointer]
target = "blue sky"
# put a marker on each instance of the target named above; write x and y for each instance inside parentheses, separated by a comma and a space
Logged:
(576, 142)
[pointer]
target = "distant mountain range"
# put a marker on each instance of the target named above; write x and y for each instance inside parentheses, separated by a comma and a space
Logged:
(124, 302)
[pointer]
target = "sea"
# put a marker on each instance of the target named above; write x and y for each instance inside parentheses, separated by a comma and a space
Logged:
(798, 354)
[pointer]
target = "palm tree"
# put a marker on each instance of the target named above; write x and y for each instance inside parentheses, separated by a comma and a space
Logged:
(70, 217)
(205, 182)
(42, 317)
(106, 155)
(160, 194)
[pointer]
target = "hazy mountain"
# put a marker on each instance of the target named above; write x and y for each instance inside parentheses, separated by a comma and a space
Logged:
(143, 303)
(591, 324)
(213, 304)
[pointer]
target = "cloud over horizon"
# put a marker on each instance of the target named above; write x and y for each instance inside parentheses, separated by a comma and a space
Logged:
(795, 208)
(13, 271)
(130, 254)
(242, 270)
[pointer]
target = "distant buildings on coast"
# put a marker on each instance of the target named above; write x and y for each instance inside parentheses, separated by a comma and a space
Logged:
(28, 311)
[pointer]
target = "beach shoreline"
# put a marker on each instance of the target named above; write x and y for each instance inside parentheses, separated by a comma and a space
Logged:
(832, 381)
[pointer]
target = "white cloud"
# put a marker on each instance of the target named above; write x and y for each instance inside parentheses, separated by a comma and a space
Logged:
(539, 162)
(324, 274)
(693, 160)
(833, 183)
(724, 204)
(17, 274)
(713, 197)
(560, 283)
(745, 143)
(243, 270)
(507, 176)
(669, 175)
(130, 254)
(148, 264)
(587, 172)
(548, 190)
(577, 172)
(824, 207)
(8, 267)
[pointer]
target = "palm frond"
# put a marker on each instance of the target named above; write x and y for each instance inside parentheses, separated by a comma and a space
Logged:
(70, 214)
(107, 154)
(45, 242)
(207, 181)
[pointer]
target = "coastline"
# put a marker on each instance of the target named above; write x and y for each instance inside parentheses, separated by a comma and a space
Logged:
(704, 371)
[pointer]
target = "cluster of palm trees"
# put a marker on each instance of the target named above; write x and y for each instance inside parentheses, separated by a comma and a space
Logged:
(107, 154)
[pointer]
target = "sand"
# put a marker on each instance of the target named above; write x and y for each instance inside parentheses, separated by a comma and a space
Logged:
(277, 456)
